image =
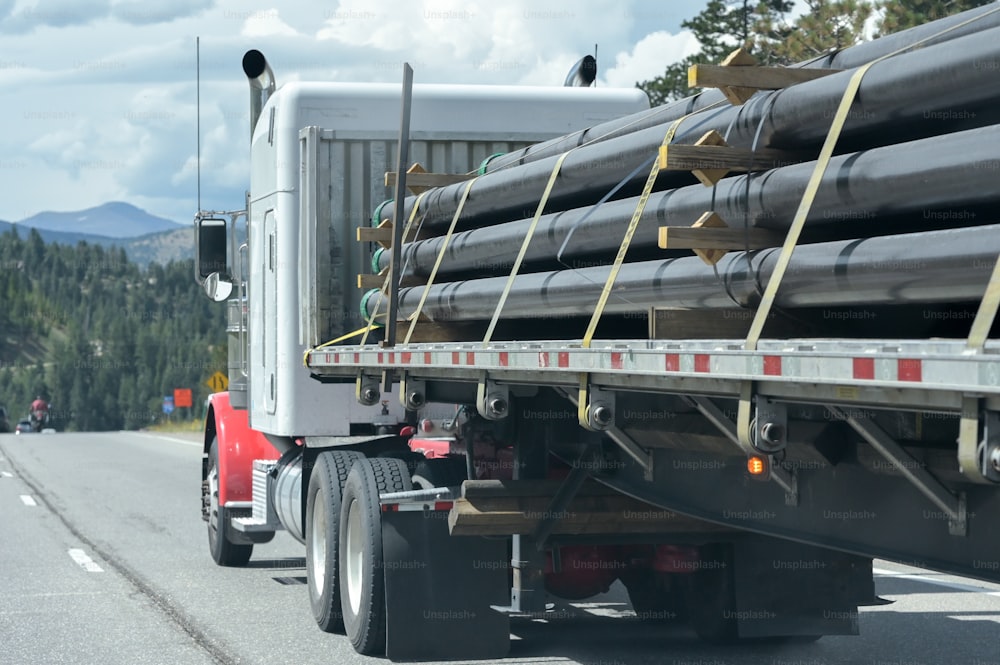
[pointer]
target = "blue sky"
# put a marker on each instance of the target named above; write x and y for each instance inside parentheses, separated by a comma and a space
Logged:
(100, 94)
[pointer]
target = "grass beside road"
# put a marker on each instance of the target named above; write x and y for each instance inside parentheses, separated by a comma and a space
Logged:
(176, 426)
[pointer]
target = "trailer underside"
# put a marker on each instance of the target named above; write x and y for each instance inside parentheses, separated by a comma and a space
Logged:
(887, 446)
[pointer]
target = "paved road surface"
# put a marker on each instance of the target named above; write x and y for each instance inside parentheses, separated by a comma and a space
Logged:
(103, 560)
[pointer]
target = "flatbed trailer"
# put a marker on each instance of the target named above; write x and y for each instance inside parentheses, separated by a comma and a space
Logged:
(896, 508)
(445, 479)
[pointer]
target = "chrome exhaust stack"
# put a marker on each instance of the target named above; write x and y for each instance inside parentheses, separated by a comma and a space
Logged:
(583, 73)
(261, 80)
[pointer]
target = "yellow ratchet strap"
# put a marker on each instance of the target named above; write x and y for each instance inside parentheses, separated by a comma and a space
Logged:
(799, 221)
(524, 246)
(986, 313)
(440, 258)
(629, 233)
(795, 230)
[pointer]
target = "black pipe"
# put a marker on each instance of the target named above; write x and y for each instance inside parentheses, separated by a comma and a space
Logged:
(946, 266)
(957, 170)
(933, 90)
(935, 32)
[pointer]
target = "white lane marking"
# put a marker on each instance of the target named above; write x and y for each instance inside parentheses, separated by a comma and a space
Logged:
(926, 579)
(6, 474)
(28, 500)
(85, 561)
(169, 438)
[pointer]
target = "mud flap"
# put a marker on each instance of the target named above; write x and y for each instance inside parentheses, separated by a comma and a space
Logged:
(439, 589)
(790, 589)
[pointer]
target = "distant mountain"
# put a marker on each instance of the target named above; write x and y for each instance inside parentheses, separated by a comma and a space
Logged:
(111, 220)
(122, 225)
(61, 237)
(162, 247)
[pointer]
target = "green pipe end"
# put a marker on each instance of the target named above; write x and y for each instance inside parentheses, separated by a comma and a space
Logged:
(365, 299)
(486, 162)
(376, 256)
(377, 215)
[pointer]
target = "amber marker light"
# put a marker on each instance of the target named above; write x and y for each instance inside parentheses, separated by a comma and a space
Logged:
(757, 465)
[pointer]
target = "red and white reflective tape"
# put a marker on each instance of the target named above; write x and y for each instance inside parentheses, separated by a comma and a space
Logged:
(939, 364)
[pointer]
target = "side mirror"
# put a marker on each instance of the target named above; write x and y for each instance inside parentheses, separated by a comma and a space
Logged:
(217, 288)
(211, 244)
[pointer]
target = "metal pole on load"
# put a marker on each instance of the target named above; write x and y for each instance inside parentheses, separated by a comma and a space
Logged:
(402, 161)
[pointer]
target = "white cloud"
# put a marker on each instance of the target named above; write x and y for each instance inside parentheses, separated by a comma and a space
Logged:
(104, 107)
(266, 23)
(650, 57)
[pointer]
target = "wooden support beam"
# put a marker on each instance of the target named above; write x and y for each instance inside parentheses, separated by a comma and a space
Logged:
(711, 238)
(728, 323)
(709, 177)
(505, 489)
(427, 331)
(381, 234)
(418, 180)
(709, 158)
(368, 281)
(739, 76)
(585, 515)
(686, 237)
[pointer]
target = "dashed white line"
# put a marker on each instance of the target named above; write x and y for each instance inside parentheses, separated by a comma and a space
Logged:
(170, 438)
(6, 474)
(85, 561)
(958, 586)
(28, 500)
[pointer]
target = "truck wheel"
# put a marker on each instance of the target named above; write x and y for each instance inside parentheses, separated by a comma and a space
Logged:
(224, 551)
(363, 597)
(326, 485)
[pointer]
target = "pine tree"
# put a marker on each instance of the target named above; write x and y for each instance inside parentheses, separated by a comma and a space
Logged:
(902, 14)
(827, 25)
(87, 329)
(723, 26)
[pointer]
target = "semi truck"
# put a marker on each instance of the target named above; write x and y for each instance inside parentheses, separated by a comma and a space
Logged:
(491, 347)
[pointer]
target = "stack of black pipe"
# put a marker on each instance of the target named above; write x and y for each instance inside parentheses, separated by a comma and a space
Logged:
(905, 214)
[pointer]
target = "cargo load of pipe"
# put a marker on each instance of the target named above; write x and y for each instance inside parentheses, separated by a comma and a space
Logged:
(904, 209)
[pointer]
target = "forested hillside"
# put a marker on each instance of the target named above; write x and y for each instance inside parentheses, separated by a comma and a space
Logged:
(103, 340)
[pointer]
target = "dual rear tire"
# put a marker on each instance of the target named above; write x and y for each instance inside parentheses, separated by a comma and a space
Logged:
(344, 544)
(326, 486)
(361, 570)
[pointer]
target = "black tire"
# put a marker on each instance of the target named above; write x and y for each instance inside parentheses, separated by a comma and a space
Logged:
(440, 472)
(224, 552)
(361, 566)
(326, 486)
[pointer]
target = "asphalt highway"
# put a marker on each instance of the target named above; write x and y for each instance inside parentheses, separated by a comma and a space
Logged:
(104, 560)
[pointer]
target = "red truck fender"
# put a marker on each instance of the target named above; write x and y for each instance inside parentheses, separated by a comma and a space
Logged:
(238, 445)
